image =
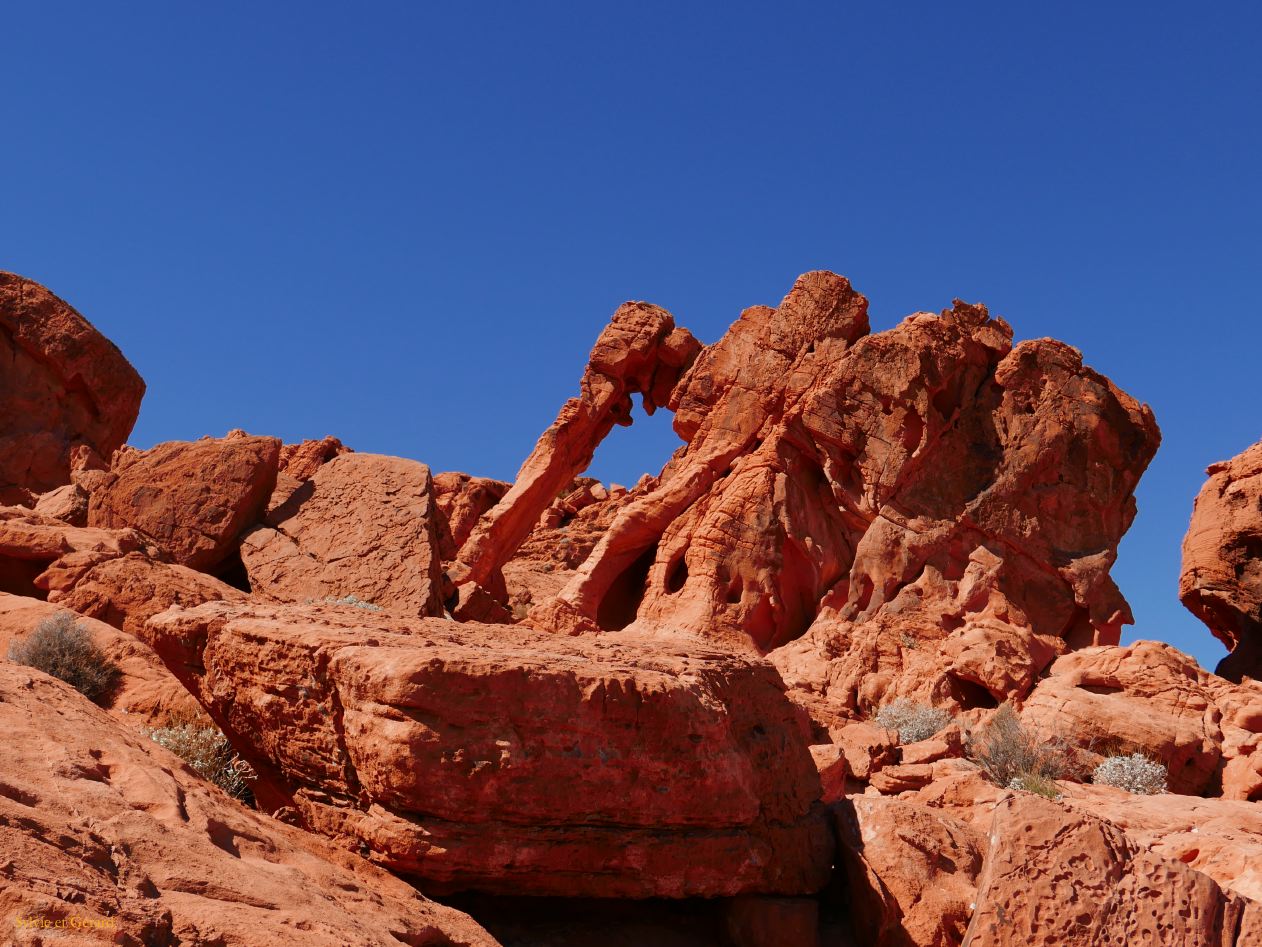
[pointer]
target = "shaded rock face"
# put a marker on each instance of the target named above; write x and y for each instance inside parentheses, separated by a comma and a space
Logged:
(64, 387)
(362, 525)
(100, 824)
(511, 761)
(1221, 579)
(192, 498)
(911, 871)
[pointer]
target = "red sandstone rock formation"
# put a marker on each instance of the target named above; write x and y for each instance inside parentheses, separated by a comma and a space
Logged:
(146, 691)
(1152, 699)
(641, 351)
(363, 525)
(64, 386)
(911, 871)
(1221, 582)
(511, 761)
(1064, 879)
(100, 824)
(193, 499)
(926, 512)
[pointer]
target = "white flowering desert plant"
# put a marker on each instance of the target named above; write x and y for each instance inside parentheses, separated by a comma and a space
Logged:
(1135, 773)
(912, 721)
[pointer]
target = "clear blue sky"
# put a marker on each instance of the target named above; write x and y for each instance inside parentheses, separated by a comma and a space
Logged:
(405, 223)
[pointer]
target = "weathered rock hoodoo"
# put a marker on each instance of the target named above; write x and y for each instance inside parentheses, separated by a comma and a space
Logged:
(65, 389)
(666, 709)
(1221, 583)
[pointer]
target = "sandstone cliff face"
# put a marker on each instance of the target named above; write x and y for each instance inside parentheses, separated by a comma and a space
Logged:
(1221, 581)
(64, 387)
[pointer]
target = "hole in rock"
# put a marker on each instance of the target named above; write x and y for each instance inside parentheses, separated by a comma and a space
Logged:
(628, 453)
(677, 574)
(734, 591)
(971, 695)
(232, 572)
(620, 604)
(17, 576)
(1100, 689)
(943, 403)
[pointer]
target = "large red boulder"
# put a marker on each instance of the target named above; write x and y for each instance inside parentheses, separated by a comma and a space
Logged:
(111, 839)
(1063, 878)
(64, 387)
(511, 761)
(192, 498)
(363, 525)
(1221, 580)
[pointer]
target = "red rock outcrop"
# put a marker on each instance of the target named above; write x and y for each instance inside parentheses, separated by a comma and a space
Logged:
(40, 555)
(64, 386)
(102, 827)
(302, 460)
(927, 511)
(146, 691)
(1221, 580)
(193, 499)
(1064, 878)
(127, 591)
(363, 525)
(513, 761)
(463, 500)
(641, 350)
(1150, 698)
(911, 872)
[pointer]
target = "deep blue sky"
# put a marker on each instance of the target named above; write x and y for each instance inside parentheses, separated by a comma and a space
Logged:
(405, 223)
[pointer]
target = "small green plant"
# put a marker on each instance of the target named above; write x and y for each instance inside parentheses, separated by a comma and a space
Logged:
(912, 721)
(1135, 773)
(1008, 753)
(909, 641)
(202, 745)
(60, 646)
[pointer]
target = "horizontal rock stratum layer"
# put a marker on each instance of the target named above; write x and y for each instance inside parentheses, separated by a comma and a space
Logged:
(512, 761)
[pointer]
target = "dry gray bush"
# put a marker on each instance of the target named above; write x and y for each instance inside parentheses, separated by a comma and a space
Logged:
(912, 721)
(60, 646)
(202, 745)
(1008, 753)
(1135, 773)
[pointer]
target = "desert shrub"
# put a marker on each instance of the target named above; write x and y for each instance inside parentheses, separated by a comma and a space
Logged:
(1135, 773)
(60, 646)
(1039, 785)
(353, 600)
(1008, 753)
(911, 720)
(202, 745)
